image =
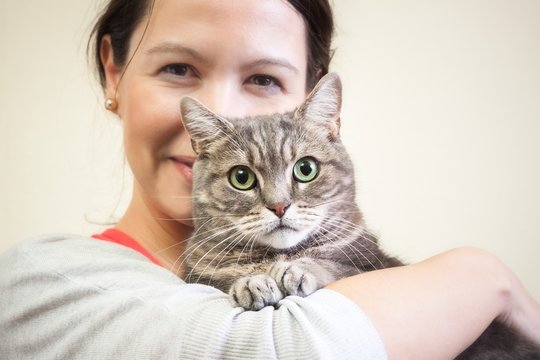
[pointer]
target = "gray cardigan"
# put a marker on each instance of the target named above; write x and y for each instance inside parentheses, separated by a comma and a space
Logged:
(73, 297)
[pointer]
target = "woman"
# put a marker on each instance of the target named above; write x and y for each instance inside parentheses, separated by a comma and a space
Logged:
(77, 297)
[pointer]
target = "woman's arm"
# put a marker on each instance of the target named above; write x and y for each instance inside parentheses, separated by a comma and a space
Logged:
(447, 301)
(79, 298)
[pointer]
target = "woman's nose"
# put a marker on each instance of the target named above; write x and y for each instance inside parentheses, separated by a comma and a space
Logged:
(224, 99)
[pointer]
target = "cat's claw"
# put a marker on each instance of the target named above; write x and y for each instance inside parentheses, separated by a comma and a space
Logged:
(255, 292)
(293, 279)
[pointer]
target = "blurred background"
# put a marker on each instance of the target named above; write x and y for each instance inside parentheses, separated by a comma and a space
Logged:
(441, 115)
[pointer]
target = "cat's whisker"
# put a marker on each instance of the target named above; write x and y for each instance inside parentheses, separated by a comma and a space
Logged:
(340, 249)
(205, 254)
(337, 200)
(345, 225)
(198, 218)
(356, 251)
(251, 250)
(215, 234)
(239, 241)
(252, 238)
(350, 232)
(202, 241)
(251, 242)
(268, 248)
(181, 242)
(191, 250)
(230, 247)
(178, 243)
(354, 232)
(352, 226)
(213, 229)
(201, 226)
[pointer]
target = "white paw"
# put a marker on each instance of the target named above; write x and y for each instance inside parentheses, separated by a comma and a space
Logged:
(292, 279)
(255, 292)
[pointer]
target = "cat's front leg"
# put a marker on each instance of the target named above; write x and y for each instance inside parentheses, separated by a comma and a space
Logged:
(255, 292)
(300, 277)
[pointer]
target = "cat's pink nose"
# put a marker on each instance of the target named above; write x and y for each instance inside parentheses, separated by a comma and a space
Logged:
(279, 209)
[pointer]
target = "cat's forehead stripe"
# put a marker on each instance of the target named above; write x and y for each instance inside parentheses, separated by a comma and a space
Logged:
(259, 149)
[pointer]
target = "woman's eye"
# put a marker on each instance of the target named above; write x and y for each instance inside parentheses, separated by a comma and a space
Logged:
(264, 81)
(306, 169)
(177, 69)
(242, 178)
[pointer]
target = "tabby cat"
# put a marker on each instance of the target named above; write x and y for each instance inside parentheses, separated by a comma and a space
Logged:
(275, 214)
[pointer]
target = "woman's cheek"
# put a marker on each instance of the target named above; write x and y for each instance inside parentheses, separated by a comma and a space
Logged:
(156, 114)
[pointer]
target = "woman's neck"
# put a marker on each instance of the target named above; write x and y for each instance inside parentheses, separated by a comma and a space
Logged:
(164, 238)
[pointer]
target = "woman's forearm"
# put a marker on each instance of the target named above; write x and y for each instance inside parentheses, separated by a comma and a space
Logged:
(447, 300)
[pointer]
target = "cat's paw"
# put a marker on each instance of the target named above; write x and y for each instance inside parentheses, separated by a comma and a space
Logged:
(293, 279)
(255, 292)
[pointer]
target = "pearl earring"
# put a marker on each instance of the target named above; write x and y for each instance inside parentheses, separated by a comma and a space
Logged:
(111, 104)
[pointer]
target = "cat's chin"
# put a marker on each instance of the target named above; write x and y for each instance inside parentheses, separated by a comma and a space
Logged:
(283, 238)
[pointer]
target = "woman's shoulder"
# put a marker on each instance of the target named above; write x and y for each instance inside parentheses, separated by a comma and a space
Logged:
(63, 243)
(59, 250)
(62, 265)
(79, 259)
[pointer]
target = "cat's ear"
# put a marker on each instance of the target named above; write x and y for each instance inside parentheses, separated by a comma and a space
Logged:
(323, 104)
(201, 123)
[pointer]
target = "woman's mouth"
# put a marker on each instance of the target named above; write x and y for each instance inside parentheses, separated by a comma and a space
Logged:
(184, 166)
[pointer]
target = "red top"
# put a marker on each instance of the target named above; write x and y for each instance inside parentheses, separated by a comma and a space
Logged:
(119, 237)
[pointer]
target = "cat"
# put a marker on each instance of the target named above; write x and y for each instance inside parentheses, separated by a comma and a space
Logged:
(275, 213)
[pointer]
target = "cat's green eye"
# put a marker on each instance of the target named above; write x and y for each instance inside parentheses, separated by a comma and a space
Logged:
(242, 178)
(306, 169)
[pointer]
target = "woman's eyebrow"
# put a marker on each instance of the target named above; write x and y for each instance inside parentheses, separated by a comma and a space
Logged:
(273, 62)
(170, 47)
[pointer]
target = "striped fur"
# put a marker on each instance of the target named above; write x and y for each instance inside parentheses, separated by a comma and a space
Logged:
(235, 232)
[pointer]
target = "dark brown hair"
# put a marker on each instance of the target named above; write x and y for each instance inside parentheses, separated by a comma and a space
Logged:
(120, 18)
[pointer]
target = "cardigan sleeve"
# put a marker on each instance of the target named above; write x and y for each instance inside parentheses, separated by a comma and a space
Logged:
(72, 297)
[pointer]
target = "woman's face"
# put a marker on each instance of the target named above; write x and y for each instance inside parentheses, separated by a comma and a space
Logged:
(239, 57)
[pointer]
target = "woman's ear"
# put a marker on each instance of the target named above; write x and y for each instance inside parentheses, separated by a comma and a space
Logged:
(112, 71)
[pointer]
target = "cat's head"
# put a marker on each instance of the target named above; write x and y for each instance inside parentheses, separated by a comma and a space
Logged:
(274, 180)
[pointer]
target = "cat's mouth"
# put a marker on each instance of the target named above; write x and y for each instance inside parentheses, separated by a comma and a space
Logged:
(283, 235)
(282, 226)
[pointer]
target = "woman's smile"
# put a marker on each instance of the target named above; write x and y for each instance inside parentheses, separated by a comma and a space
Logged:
(184, 165)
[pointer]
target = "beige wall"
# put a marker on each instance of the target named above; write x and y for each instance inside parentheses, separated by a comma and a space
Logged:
(441, 114)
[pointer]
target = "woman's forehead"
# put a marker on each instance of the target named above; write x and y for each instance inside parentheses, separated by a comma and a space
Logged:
(242, 26)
